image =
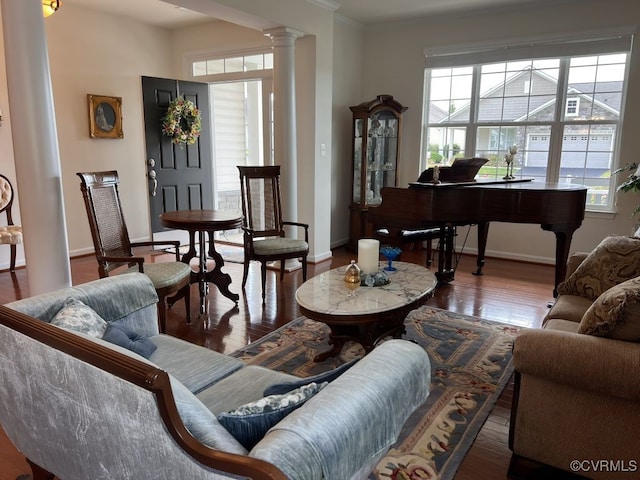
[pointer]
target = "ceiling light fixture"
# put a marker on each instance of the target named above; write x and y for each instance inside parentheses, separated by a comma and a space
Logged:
(49, 7)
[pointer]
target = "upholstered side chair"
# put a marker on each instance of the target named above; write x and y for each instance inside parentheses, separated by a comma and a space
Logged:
(264, 234)
(114, 250)
(10, 234)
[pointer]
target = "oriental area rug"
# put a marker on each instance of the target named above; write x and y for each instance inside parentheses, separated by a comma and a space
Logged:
(470, 366)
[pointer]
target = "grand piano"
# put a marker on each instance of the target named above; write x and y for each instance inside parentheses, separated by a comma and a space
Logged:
(558, 208)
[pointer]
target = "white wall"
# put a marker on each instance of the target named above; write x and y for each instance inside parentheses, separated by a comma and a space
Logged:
(386, 71)
(347, 91)
(95, 53)
(214, 37)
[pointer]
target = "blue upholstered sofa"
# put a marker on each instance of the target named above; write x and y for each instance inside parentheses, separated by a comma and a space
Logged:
(81, 408)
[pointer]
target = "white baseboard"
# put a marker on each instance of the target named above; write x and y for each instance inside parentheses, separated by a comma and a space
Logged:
(510, 256)
(88, 250)
(321, 257)
(81, 252)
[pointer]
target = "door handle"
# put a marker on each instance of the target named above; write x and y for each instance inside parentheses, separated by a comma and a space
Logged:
(154, 178)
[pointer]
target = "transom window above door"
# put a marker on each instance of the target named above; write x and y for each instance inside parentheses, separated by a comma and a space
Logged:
(234, 64)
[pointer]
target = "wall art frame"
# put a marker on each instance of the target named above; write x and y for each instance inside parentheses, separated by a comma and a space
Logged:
(105, 116)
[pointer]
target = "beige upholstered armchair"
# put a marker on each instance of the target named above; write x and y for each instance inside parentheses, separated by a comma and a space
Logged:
(10, 234)
(576, 404)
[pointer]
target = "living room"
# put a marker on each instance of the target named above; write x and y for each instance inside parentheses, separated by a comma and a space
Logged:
(82, 63)
(93, 52)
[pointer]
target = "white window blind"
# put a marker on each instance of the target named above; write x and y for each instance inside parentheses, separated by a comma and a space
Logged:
(523, 49)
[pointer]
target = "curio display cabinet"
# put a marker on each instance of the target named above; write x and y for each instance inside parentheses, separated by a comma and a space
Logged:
(376, 146)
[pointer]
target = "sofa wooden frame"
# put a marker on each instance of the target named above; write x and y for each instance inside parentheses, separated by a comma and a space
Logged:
(145, 376)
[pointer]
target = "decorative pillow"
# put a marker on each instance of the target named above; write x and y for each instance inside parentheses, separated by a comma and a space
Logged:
(280, 388)
(615, 313)
(250, 422)
(78, 317)
(129, 339)
(615, 260)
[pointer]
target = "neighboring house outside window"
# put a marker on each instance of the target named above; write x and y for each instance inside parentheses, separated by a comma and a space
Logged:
(563, 113)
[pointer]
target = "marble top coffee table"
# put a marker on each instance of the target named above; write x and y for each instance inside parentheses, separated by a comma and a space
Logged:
(372, 313)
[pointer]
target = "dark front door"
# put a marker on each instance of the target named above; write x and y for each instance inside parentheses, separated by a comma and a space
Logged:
(183, 172)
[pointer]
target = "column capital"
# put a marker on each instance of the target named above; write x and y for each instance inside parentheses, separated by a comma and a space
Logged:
(283, 36)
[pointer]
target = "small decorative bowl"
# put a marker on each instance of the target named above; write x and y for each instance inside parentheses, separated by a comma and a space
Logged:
(390, 253)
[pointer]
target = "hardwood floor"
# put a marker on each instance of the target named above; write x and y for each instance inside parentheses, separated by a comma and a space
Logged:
(510, 292)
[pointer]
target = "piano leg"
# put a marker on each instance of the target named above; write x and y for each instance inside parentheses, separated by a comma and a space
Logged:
(483, 232)
(564, 234)
(446, 272)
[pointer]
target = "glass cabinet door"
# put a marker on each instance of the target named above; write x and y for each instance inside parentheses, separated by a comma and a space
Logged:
(357, 160)
(382, 151)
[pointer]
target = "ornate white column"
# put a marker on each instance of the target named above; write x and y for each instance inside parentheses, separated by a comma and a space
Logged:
(35, 144)
(283, 40)
(284, 110)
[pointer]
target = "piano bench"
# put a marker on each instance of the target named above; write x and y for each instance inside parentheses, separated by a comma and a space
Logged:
(412, 237)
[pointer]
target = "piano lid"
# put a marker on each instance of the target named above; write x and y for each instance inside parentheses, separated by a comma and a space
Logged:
(477, 183)
(461, 170)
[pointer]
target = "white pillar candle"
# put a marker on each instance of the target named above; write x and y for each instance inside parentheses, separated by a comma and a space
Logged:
(368, 255)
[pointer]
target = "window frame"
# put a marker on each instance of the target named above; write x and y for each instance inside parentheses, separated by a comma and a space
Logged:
(563, 49)
(226, 55)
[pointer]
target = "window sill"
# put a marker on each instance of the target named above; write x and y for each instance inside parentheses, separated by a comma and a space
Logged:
(600, 214)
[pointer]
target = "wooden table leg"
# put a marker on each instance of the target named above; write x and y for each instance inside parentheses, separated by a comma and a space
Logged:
(203, 287)
(216, 276)
(186, 258)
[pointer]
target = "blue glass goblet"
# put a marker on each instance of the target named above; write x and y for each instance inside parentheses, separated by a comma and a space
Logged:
(390, 253)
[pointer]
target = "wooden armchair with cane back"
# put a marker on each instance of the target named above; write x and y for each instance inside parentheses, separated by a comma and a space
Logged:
(264, 234)
(114, 249)
(10, 234)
